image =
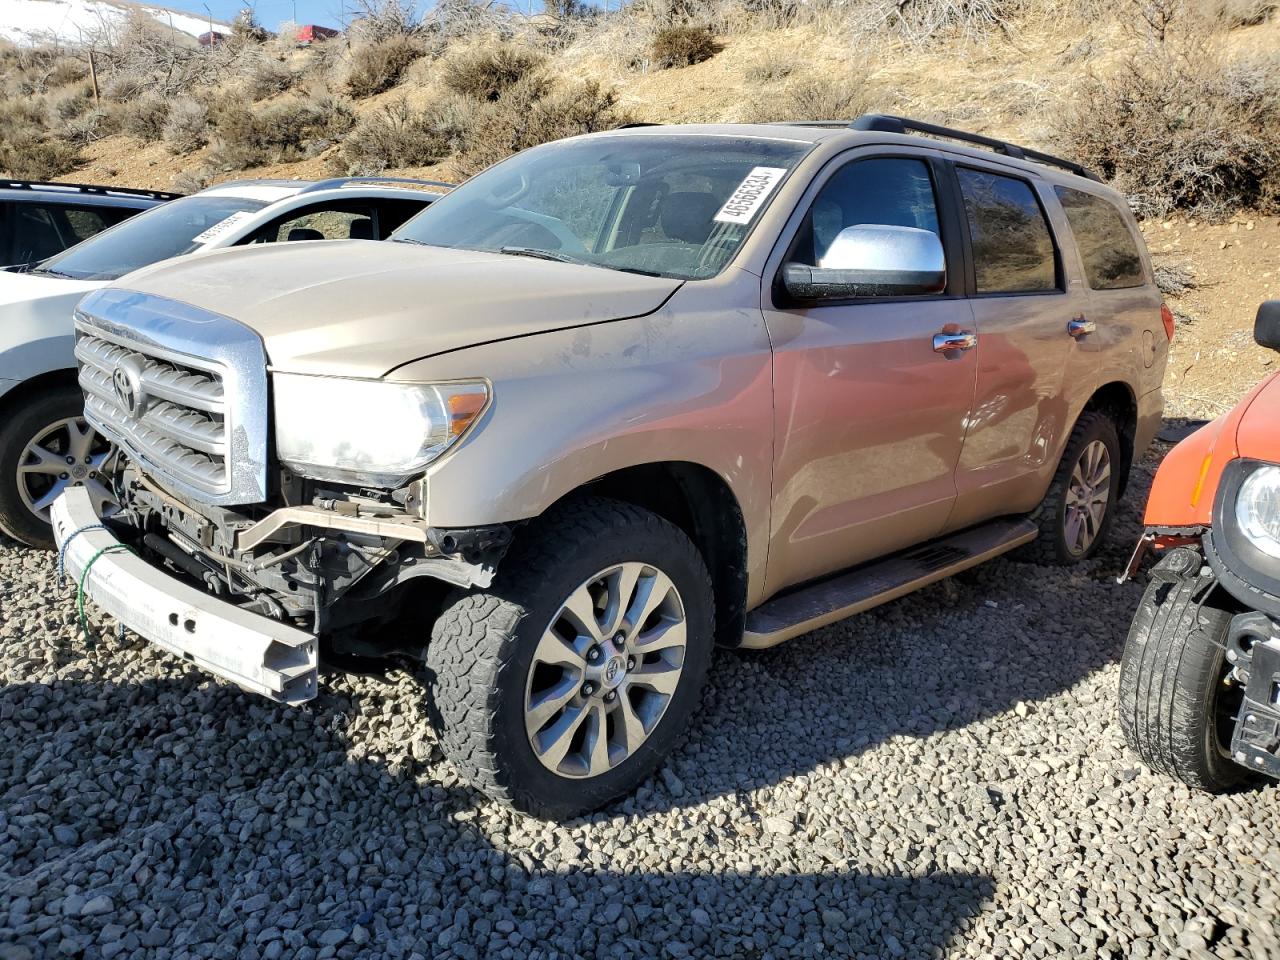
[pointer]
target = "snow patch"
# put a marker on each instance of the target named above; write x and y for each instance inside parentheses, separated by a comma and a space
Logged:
(30, 22)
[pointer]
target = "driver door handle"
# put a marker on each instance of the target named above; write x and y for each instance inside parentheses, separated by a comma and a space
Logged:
(961, 340)
(1081, 327)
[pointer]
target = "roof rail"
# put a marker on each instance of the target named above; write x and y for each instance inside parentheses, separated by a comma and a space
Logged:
(346, 181)
(88, 188)
(884, 123)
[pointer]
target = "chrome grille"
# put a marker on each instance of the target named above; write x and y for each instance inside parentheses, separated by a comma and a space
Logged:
(181, 426)
(182, 390)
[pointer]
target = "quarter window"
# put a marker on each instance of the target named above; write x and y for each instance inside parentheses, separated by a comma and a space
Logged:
(885, 191)
(1106, 244)
(1013, 248)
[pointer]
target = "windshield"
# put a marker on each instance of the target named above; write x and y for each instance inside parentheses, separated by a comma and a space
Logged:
(168, 230)
(675, 206)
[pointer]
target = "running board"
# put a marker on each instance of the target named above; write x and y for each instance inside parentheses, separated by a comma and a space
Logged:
(818, 604)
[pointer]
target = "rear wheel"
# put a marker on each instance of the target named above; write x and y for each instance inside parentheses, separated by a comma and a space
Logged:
(566, 683)
(1177, 703)
(45, 447)
(1076, 513)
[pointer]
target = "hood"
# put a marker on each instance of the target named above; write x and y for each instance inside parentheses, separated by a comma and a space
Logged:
(1184, 488)
(23, 287)
(361, 308)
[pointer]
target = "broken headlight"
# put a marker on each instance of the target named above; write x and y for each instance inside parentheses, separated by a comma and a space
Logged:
(369, 432)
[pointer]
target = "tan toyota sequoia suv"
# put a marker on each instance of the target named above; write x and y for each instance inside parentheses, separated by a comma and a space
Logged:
(615, 400)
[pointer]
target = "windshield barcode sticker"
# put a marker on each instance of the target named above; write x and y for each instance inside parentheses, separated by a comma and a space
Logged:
(750, 195)
(222, 226)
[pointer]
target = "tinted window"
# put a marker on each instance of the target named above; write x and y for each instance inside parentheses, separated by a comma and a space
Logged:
(678, 206)
(174, 228)
(1012, 247)
(893, 191)
(343, 221)
(1110, 255)
(84, 222)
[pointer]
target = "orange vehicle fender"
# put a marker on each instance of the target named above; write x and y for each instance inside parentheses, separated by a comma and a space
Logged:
(1184, 487)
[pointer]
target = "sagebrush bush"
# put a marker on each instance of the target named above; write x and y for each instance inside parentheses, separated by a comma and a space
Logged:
(187, 127)
(397, 136)
(526, 116)
(378, 65)
(30, 155)
(486, 73)
(143, 117)
(682, 46)
(283, 131)
(812, 99)
(1182, 132)
(265, 76)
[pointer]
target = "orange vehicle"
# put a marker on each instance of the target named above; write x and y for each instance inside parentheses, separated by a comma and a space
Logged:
(1200, 676)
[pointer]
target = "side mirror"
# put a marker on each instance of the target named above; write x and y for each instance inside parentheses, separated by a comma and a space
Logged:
(872, 260)
(1266, 328)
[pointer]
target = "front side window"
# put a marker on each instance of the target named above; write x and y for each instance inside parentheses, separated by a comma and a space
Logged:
(674, 206)
(1106, 244)
(169, 230)
(880, 192)
(335, 222)
(1013, 249)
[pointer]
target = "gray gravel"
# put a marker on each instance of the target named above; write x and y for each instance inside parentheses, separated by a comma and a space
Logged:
(941, 777)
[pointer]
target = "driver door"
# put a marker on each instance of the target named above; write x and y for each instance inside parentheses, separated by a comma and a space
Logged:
(869, 416)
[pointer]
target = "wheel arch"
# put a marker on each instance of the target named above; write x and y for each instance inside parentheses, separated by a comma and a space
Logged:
(700, 502)
(25, 389)
(1118, 401)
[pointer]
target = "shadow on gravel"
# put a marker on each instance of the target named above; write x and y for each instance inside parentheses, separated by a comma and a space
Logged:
(207, 818)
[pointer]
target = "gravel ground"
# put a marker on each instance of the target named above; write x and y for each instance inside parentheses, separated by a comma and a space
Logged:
(941, 777)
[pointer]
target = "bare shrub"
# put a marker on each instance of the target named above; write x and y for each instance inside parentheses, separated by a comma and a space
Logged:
(923, 21)
(486, 73)
(812, 99)
(193, 181)
(397, 136)
(264, 75)
(1174, 278)
(1182, 131)
(525, 117)
(138, 58)
(378, 20)
(84, 128)
(187, 127)
(378, 65)
(683, 46)
(143, 117)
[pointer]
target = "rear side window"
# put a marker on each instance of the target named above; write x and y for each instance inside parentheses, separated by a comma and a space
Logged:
(1013, 248)
(84, 222)
(1106, 244)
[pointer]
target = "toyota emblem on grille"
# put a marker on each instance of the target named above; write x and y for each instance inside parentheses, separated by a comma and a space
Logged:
(126, 382)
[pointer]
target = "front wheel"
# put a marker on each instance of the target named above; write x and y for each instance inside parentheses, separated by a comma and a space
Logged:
(566, 683)
(1177, 702)
(45, 447)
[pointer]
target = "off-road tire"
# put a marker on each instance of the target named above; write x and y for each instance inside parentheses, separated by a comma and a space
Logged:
(17, 428)
(1050, 547)
(1171, 676)
(482, 643)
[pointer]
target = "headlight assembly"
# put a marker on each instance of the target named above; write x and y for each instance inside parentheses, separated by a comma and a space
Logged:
(1258, 509)
(370, 432)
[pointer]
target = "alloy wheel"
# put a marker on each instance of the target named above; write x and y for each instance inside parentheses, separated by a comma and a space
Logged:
(605, 670)
(66, 453)
(1088, 497)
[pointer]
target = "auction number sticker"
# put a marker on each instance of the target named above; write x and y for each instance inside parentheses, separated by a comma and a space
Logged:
(750, 195)
(222, 226)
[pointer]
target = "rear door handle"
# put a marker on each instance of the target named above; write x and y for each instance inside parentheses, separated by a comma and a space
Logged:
(1080, 327)
(960, 340)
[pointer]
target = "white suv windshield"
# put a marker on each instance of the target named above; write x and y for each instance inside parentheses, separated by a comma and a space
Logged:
(165, 231)
(675, 206)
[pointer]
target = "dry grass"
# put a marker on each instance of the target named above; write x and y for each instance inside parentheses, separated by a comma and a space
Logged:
(811, 99)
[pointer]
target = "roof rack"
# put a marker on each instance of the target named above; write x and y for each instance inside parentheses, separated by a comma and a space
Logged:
(88, 188)
(884, 123)
(347, 181)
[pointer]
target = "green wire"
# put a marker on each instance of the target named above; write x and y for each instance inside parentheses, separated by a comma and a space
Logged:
(84, 574)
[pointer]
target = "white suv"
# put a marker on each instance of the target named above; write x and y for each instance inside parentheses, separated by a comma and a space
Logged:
(45, 445)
